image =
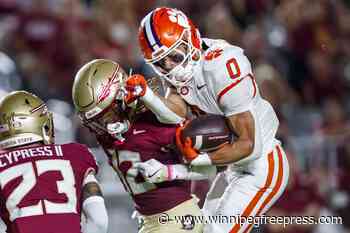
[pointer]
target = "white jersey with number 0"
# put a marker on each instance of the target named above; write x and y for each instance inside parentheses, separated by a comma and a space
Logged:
(224, 84)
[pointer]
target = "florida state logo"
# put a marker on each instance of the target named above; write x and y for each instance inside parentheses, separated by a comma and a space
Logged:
(106, 88)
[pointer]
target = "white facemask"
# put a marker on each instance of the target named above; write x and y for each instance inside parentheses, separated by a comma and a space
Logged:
(182, 74)
(118, 128)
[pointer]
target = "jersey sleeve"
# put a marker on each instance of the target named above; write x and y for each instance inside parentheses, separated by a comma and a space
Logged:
(88, 160)
(233, 82)
(91, 162)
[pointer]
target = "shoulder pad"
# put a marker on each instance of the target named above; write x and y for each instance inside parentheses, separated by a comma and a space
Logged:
(76, 145)
(216, 57)
(226, 68)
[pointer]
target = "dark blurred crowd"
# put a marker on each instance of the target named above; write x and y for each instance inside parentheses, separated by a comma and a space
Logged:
(299, 49)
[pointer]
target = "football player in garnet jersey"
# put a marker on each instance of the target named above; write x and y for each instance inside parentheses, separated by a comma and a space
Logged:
(214, 77)
(44, 186)
(131, 135)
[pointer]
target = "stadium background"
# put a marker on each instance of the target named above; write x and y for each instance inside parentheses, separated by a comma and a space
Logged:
(300, 54)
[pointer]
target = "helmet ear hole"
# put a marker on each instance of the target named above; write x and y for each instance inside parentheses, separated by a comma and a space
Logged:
(47, 128)
(48, 132)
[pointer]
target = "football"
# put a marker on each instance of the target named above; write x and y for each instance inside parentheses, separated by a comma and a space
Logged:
(208, 132)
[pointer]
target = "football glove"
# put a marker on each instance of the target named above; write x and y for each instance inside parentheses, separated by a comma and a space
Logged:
(135, 86)
(154, 171)
(191, 155)
(186, 147)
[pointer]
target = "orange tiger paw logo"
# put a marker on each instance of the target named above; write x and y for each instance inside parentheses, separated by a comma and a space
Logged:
(213, 54)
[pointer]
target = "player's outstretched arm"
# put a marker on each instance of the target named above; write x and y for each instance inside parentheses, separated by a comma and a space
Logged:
(155, 172)
(93, 206)
(169, 110)
(175, 102)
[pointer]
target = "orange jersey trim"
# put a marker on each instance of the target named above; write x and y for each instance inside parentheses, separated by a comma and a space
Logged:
(232, 85)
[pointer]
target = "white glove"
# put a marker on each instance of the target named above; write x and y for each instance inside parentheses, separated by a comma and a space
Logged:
(154, 171)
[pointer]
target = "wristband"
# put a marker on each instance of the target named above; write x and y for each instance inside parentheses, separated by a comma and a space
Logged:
(202, 159)
(177, 172)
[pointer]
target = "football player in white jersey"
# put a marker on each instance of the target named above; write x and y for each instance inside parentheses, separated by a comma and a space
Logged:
(215, 77)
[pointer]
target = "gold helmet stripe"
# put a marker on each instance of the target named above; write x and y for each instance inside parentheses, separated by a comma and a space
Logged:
(38, 108)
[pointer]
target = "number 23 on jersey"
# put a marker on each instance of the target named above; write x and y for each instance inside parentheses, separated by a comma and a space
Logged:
(30, 179)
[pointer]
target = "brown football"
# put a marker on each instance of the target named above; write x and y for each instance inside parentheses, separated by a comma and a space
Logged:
(208, 132)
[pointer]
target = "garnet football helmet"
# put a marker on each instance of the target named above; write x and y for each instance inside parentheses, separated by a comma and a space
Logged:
(171, 44)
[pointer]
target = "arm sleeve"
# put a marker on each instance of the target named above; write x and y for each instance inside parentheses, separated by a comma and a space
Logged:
(90, 163)
(239, 98)
(96, 215)
(184, 172)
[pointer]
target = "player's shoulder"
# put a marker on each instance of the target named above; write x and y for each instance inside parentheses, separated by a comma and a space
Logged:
(218, 54)
(225, 66)
(224, 63)
(73, 146)
(75, 149)
(80, 155)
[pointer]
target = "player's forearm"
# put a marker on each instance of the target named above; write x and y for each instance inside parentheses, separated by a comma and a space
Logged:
(93, 206)
(184, 172)
(244, 126)
(178, 107)
(166, 110)
(231, 153)
(96, 215)
(155, 172)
